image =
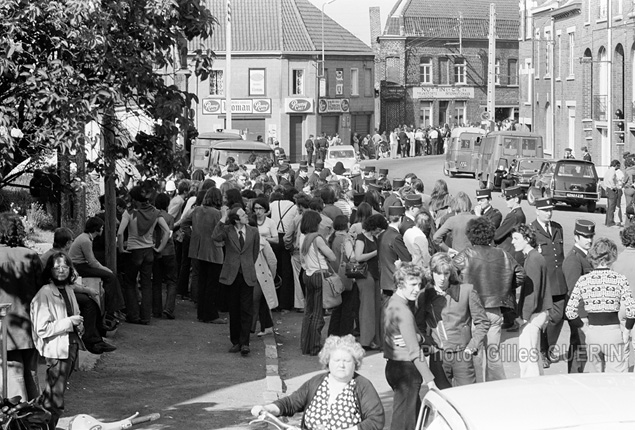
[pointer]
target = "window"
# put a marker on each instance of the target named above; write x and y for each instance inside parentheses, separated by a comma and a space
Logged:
(459, 71)
(512, 72)
(354, 82)
(392, 70)
(602, 10)
(620, 8)
(571, 55)
(528, 89)
(425, 70)
(548, 53)
(326, 88)
(497, 72)
(538, 44)
(369, 85)
(588, 12)
(460, 113)
(339, 82)
(216, 86)
(425, 114)
(444, 71)
(257, 82)
(297, 87)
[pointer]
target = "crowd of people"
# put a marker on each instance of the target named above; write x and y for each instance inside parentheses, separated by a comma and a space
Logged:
(436, 278)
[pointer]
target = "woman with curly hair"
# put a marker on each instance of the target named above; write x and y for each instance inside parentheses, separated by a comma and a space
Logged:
(602, 293)
(406, 368)
(20, 270)
(337, 399)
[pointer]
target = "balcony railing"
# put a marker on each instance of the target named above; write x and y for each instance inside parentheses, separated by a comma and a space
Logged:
(600, 108)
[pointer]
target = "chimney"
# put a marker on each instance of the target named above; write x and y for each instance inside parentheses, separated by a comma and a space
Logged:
(375, 26)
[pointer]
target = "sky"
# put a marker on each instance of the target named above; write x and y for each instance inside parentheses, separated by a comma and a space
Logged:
(353, 14)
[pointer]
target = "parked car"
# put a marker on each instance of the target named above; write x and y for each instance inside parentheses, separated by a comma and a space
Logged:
(210, 154)
(524, 169)
(462, 153)
(343, 153)
(582, 401)
(574, 182)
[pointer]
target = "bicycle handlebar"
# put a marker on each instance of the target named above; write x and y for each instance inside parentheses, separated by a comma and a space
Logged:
(267, 417)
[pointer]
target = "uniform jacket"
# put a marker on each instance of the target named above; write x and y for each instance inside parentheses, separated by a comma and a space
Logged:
(447, 319)
(503, 236)
(406, 223)
(575, 265)
(235, 257)
(51, 323)
(535, 296)
(20, 270)
(390, 248)
(203, 220)
(552, 248)
(494, 215)
(494, 273)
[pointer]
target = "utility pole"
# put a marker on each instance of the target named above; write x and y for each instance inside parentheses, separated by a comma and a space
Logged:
(460, 33)
(228, 67)
(606, 149)
(491, 66)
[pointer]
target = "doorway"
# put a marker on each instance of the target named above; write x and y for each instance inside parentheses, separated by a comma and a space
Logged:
(295, 138)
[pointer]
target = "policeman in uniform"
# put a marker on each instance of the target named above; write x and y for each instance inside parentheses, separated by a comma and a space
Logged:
(550, 243)
(484, 207)
(393, 199)
(503, 235)
(574, 266)
(413, 204)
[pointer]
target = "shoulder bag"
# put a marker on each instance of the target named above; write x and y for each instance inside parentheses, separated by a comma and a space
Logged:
(343, 267)
(332, 286)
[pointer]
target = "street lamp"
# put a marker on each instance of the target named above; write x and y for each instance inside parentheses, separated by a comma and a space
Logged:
(324, 4)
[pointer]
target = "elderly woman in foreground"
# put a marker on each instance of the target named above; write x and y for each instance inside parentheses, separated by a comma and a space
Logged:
(337, 399)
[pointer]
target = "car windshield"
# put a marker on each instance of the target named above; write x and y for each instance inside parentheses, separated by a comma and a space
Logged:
(342, 154)
(576, 170)
(242, 157)
(528, 164)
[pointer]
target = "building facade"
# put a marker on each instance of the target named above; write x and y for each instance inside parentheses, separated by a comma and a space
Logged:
(578, 76)
(432, 62)
(277, 87)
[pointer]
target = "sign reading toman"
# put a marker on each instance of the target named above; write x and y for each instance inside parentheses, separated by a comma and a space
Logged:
(215, 106)
(333, 105)
(298, 105)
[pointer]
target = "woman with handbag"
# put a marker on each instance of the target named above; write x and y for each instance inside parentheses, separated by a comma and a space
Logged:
(341, 243)
(368, 286)
(314, 253)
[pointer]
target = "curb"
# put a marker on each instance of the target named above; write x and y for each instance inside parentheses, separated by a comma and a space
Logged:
(273, 379)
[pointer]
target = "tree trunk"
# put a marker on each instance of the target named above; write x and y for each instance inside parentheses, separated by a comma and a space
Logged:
(110, 230)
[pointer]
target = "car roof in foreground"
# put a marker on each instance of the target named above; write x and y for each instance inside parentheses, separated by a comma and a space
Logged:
(249, 145)
(577, 401)
(342, 148)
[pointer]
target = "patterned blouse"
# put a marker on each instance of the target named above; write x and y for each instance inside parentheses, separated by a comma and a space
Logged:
(602, 291)
(343, 413)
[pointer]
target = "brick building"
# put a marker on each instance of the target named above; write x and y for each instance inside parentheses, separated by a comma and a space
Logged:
(432, 61)
(276, 51)
(575, 74)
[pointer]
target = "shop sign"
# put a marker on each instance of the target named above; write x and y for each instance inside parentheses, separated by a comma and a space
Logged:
(334, 105)
(428, 93)
(298, 105)
(239, 106)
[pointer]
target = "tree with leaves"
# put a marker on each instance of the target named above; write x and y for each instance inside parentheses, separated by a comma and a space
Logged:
(64, 63)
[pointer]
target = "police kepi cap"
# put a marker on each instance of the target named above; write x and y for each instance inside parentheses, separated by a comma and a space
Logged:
(398, 183)
(358, 198)
(483, 194)
(584, 227)
(512, 192)
(284, 168)
(374, 186)
(412, 200)
(383, 171)
(544, 204)
(319, 164)
(370, 181)
(369, 168)
(304, 163)
(396, 210)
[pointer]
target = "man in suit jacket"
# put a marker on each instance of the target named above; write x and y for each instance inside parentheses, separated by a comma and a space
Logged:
(242, 245)
(575, 265)
(391, 248)
(484, 207)
(503, 235)
(550, 243)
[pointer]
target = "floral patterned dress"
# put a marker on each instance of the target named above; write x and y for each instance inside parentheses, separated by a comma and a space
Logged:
(343, 413)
